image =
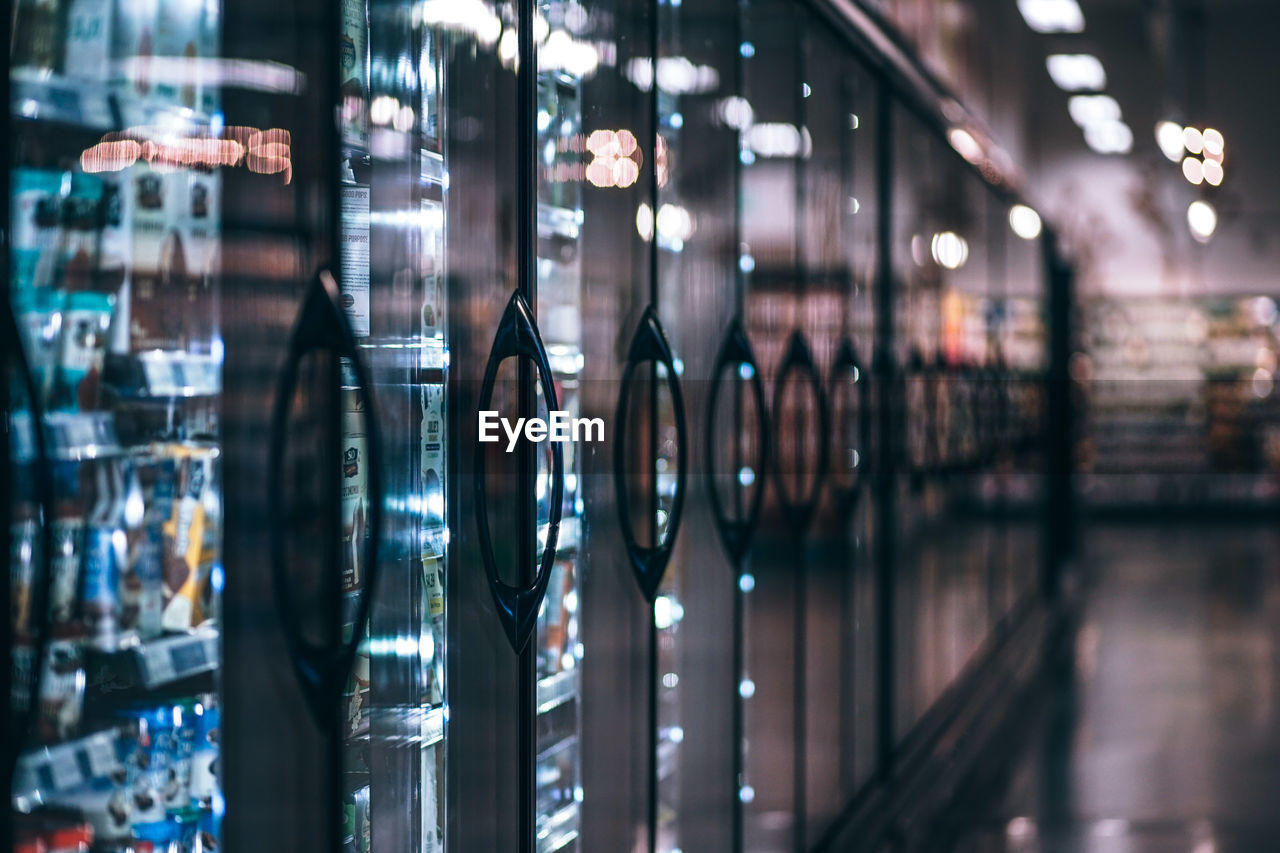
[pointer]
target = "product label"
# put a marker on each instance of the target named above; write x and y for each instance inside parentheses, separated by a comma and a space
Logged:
(355, 257)
(88, 38)
(355, 490)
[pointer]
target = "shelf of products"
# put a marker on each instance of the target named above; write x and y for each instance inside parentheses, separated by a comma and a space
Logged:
(1180, 404)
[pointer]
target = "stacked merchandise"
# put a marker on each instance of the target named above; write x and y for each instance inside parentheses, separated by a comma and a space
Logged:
(112, 280)
(1180, 403)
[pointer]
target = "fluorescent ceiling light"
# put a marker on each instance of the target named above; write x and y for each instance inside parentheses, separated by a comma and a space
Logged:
(1077, 72)
(1109, 137)
(1087, 110)
(1052, 16)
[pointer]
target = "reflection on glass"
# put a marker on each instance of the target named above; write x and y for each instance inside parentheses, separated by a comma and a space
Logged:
(565, 58)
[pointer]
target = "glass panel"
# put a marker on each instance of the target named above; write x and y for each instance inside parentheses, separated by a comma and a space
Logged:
(696, 299)
(115, 200)
(393, 178)
(565, 58)
(773, 146)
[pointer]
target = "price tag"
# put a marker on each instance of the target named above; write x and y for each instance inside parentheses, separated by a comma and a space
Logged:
(102, 756)
(433, 727)
(157, 665)
(64, 768)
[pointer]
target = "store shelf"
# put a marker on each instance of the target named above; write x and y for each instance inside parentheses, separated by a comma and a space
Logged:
(555, 690)
(69, 436)
(93, 105)
(162, 374)
(432, 727)
(75, 436)
(74, 103)
(188, 660)
(560, 828)
(51, 770)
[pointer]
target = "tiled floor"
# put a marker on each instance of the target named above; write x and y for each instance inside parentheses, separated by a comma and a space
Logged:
(1167, 738)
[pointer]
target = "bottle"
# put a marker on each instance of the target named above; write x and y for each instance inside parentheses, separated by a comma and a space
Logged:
(105, 554)
(62, 688)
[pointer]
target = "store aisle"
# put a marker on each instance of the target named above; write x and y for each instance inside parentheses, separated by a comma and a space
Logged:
(1167, 738)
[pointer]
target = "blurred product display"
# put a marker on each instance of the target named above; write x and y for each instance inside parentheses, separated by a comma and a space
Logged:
(113, 287)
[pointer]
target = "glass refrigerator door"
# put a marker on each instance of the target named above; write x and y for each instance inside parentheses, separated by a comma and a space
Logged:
(392, 177)
(559, 311)
(114, 217)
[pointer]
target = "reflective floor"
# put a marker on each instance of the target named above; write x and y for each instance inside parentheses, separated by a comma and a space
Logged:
(1167, 738)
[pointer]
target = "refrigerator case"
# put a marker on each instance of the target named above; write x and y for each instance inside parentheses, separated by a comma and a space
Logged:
(393, 174)
(113, 287)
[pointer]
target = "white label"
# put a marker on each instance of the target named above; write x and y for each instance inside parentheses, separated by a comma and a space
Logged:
(88, 38)
(355, 258)
(102, 757)
(64, 768)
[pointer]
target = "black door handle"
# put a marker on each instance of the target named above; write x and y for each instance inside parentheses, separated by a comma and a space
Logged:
(844, 366)
(799, 509)
(322, 669)
(735, 353)
(649, 562)
(21, 720)
(517, 337)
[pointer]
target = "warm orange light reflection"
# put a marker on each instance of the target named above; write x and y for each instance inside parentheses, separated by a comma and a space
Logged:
(266, 152)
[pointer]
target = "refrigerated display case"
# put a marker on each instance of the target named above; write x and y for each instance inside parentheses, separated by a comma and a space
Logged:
(113, 418)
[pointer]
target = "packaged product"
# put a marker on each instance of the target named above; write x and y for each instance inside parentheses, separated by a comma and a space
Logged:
(86, 318)
(177, 785)
(106, 545)
(356, 693)
(39, 315)
(61, 690)
(36, 39)
(34, 214)
(186, 32)
(356, 831)
(353, 53)
(78, 258)
(89, 28)
(148, 506)
(355, 256)
(150, 773)
(433, 587)
(355, 489)
(205, 753)
(24, 556)
(189, 551)
(432, 439)
(133, 45)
